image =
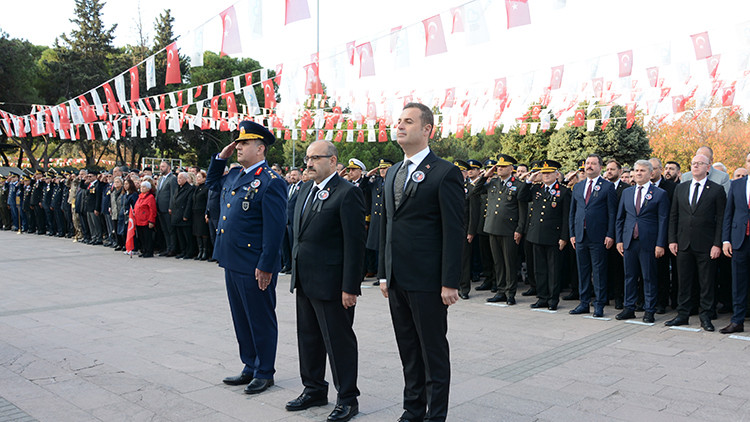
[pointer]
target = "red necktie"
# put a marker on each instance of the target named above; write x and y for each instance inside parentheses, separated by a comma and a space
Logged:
(637, 210)
(588, 191)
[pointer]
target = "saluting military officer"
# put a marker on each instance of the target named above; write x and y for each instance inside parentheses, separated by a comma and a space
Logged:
(471, 214)
(377, 176)
(488, 266)
(548, 233)
(507, 210)
(253, 212)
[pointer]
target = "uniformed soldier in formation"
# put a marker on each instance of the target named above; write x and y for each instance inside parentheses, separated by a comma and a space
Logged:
(49, 189)
(253, 212)
(4, 207)
(355, 172)
(37, 197)
(27, 204)
(507, 199)
(548, 233)
(464, 284)
(488, 266)
(376, 176)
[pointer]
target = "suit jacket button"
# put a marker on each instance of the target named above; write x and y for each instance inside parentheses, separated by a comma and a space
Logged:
(228, 205)
(248, 245)
(224, 217)
(233, 193)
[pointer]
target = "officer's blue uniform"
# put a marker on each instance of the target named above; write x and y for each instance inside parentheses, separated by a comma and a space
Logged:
(251, 228)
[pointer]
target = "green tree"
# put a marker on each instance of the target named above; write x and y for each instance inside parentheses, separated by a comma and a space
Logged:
(571, 144)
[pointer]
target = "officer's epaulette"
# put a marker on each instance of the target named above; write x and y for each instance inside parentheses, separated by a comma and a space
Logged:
(271, 173)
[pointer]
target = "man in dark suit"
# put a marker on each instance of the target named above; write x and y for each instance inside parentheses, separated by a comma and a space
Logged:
(292, 192)
(507, 211)
(327, 260)
(253, 213)
(166, 186)
(695, 225)
(736, 245)
(667, 280)
(469, 220)
(420, 262)
(615, 265)
(641, 234)
(592, 229)
(92, 205)
(547, 232)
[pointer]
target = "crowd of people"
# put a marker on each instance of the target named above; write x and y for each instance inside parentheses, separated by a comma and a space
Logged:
(644, 239)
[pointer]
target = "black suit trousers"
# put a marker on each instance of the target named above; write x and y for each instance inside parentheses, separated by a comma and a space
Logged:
(464, 285)
(324, 327)
(420, 321)
(695, 267)
(547, 269)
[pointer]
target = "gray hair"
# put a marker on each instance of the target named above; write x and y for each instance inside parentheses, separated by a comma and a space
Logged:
(644, 163)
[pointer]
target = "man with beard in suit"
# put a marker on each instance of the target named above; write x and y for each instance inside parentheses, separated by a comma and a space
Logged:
(420, 262)
(695, 225)
(327, 261)
(615, 266)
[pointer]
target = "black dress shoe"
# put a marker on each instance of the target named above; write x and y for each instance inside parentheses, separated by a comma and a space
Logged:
(511, 300)
(500, 297)
(539, 304)
(343, 412)
(552, 306)
(676, 321)
(376, 283)
(733, 328)
(180, 256)
(483, 286)
(463, 296)
(706, 324)
(570, 296)
(530, 292)
(171, 253)
(306, 401)
(618, 304)
(493, 289)
(661, 310)
(258, 385)
(648, 318)
(598, 313)
(238, 379)
(580, 309)
(625, 314)
(163, 253)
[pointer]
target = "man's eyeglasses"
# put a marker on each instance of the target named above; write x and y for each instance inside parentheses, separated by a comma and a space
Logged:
(309, 158)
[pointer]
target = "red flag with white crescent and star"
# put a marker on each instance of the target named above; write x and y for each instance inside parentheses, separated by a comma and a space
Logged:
(580, 118)
(434, 36)
(626, 63)
(518, 12)
(701, 45)
(134, 84)
(130, 240)
(296, 10)
(173, 65)
(230, 39)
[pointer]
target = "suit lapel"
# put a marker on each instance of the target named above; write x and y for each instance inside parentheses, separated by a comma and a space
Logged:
(330, 188)
(704, 193)
(411, 186)
(302, 195)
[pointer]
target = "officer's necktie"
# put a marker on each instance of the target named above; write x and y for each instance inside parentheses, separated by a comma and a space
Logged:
(310, 202)
(637, 211)
(588, 190)
(399, 182)
(694, 202)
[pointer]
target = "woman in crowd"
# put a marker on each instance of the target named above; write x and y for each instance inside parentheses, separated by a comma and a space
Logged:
(145, 219)
(200, 221)
(126, 200)
(181, 212)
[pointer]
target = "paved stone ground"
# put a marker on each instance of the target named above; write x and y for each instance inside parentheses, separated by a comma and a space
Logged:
(87, 334)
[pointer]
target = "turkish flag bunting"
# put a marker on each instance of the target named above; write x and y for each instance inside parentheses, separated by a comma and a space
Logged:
(678, 104)
(557, 75)
(664, 93)
(535, 110)
(296, 10)
(434, 36)
(112, 107)
(215, 108)
(701, 45)
(372, 113)
(130, 240)
(86, 111)
(173, 65)
(269, 94)
(626, 63)
(653, 76)
(230, 39)
(351, 49)
(231, 104)
(727, 96)
(630, 114)
(382, 136)
(361, 136)
(580, 118)
(279, 70)
(163, 122)
(134, 83)
(338, 137)
(312, 80)
(501, 89)
(518, 12)
(223, 86)
(450, 97)
(713, 65)
(598, 86)
(458, 19)
(366, 60)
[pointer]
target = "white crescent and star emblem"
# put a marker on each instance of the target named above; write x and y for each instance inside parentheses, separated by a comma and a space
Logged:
(169, 58)
(227, 24)
(432, 30)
